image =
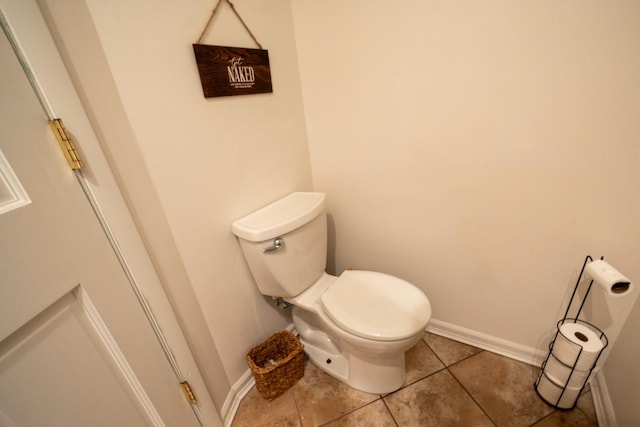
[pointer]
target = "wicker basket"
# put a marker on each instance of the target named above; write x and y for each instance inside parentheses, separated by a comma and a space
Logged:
(276, 364)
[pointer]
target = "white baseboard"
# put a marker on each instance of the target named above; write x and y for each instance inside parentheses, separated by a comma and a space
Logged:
(490, 343)
(522, 353)
(238, 391)
(602, 401)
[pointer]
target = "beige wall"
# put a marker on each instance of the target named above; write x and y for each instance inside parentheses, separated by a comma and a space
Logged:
(622, 373)
(478, 149)
(211, 161)
(189, 166)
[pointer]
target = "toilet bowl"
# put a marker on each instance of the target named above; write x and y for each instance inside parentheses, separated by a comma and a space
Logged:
(357, 326)
(360, 338)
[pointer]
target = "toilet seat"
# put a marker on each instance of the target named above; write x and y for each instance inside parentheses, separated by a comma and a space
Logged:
(376, 306)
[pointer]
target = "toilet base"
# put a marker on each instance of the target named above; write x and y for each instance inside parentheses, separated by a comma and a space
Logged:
(368, 373)
(380, 376)
(335, 365)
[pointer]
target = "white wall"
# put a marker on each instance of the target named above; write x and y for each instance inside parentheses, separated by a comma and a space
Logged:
(211, 161)
(477, 149)
(622, 373)
(201, 163)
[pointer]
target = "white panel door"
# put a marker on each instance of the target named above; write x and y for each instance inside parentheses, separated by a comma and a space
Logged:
(75, 346)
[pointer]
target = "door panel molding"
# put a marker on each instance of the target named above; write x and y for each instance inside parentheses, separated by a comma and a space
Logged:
(12, 193)
(102, 331)
(47, 347)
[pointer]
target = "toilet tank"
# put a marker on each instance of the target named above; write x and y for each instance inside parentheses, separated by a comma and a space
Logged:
(299, 220)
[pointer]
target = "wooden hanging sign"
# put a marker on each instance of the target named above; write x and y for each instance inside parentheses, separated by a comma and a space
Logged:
(229, 71)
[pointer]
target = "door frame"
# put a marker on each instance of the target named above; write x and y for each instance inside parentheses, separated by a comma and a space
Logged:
(59, 99)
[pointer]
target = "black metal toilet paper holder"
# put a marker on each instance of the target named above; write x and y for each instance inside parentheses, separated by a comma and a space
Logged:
(572, 367)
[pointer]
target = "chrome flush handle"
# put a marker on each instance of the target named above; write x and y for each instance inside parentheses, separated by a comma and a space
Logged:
(277, 244)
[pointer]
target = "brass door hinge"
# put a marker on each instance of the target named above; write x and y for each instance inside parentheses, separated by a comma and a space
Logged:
(188, 392)
(66, 144)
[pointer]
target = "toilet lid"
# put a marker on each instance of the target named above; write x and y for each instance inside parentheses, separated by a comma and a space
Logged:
(376, 306)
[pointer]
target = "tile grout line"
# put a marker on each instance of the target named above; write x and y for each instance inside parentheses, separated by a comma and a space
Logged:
(456, 378)
(543, 418)
(354, 410)
(384, 402)
(457, 361)
(295, 403)
(469, 394)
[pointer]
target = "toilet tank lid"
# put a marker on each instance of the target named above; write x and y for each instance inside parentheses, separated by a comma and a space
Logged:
(279, 217)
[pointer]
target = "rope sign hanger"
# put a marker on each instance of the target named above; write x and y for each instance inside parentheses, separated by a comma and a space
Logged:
(229, 71)
(233, 8)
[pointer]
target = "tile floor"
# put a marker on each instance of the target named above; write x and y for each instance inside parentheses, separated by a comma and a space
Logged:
(448, 384)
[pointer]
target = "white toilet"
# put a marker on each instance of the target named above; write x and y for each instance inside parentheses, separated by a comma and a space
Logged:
(356, 327)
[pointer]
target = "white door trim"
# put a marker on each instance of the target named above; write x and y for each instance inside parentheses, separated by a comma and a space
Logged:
(116, 354)
(49, 74)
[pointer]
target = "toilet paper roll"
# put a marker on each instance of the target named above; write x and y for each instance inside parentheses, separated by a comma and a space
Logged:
(560, 373)
(578, 345)
(551, 392)
(611, 280)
